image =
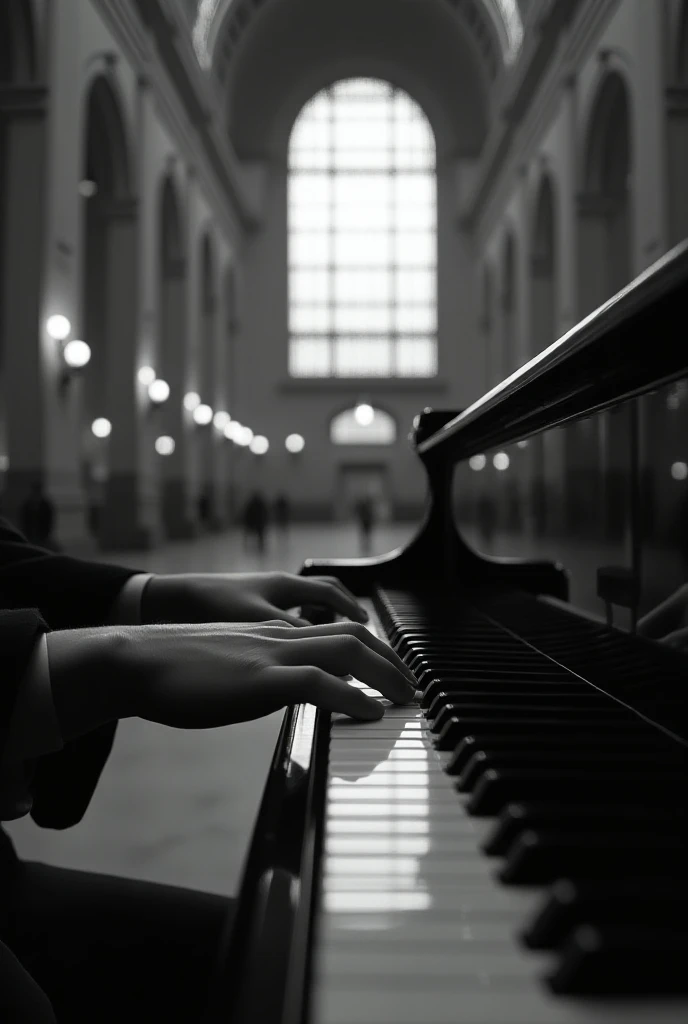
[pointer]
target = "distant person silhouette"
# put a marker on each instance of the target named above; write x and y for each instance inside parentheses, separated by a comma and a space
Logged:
(37, 516)
(365, 515)
(282, 513)
(256, 520)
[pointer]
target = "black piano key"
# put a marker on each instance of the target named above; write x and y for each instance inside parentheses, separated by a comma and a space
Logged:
(538, 857)
(496, 789)
(552, 761)
(521, 817)
(454, 728)
(576, 739)
(441, 712)
(634, 902)
(608, 961)
(468, 684)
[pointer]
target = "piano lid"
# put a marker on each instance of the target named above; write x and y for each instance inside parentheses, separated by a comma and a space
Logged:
(629, 346)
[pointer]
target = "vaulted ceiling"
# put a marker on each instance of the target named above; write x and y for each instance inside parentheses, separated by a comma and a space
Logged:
(269, 56)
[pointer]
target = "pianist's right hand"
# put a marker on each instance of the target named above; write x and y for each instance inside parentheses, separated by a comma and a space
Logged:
(213, 674)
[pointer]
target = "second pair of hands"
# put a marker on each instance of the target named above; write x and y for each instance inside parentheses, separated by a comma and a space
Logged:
(190, 668)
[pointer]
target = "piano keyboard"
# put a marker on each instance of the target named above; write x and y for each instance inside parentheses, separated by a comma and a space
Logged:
(417, 924)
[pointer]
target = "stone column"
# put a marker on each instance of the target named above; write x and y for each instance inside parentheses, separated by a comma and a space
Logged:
(126, 523)
(23, 110)
(177, 516)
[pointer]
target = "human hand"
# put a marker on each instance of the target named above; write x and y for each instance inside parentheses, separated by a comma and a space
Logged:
(207, 675)
(244, 597)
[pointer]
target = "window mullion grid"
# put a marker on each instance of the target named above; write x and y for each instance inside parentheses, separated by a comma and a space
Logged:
(393, 267)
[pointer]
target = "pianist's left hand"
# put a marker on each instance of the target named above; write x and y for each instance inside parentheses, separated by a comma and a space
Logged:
(244, 597)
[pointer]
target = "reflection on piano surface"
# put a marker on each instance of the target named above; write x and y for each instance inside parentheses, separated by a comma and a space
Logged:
(512, 847)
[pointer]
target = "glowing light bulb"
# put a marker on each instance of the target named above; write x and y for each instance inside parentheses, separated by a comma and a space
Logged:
(477, 462)
(192, 400)
(364, 414)
(679, 470)
(294, 443)
(58, 326)
(221, 419)
(259, 445)
(101, 427)
(88, 188)
(146, 375)
(159, 391)
(500, 461)
(164, 445)
(202, 415)
(76, 354)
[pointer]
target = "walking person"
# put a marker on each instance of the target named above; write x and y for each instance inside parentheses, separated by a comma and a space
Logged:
(256, 521)
(365, 514)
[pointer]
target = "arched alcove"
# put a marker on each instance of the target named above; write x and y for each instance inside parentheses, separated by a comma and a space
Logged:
(508, 304)
(109, 315)
(543, 323)
(605, 246)
(172, 356)
(378, 428)
(17, 178)
(205, 356)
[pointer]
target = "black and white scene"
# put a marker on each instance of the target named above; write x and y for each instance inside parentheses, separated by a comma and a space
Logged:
(344, 511)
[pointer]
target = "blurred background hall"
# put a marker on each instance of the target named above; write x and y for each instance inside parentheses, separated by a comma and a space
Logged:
(244, 242)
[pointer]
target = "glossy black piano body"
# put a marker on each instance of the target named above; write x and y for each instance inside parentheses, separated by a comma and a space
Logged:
(605, 360)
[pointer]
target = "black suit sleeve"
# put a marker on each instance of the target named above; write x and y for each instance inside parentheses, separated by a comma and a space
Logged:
(70, 592)
(19, 632)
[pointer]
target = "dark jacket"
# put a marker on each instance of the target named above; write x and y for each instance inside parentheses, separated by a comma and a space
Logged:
(39, 591)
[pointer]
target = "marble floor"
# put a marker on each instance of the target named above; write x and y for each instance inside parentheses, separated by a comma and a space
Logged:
(179, 807)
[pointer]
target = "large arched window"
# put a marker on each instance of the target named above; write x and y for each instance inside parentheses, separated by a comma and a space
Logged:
(362, 235)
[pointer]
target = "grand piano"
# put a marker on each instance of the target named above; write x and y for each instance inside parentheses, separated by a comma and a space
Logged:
(512, 847)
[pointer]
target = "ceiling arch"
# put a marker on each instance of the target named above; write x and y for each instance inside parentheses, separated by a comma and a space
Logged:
(219, 27)
(298, 47)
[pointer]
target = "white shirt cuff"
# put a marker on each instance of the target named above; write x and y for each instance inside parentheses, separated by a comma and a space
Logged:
(126, 608)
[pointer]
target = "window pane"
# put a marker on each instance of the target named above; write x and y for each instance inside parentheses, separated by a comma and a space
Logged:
(409, 319)
(416, 286)
(309, 286)
(414, 249)
(309, 357)
(309, 190)
(362, 249)
(364, 286)
(309, 250)
(416, 190)
(416, 357)
(362, 357)
(309, 319)
(363, 319)
(310, 217)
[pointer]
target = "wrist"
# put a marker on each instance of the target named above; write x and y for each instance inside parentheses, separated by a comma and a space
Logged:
(90, 678)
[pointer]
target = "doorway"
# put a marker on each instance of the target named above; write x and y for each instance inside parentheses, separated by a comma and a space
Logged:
(362, 480)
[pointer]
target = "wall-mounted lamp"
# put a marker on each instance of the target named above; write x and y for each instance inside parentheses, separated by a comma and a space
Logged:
(477, 462)
(76, 354)
(164, 445)
(192, 400)
(101, 427)
(58, 326)
(243, 436)
(294, 444)
(221, 419)
(202, 415)
(146, 375)
(500, 461)
(158, 391)
(259, 445)
(87, 188)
